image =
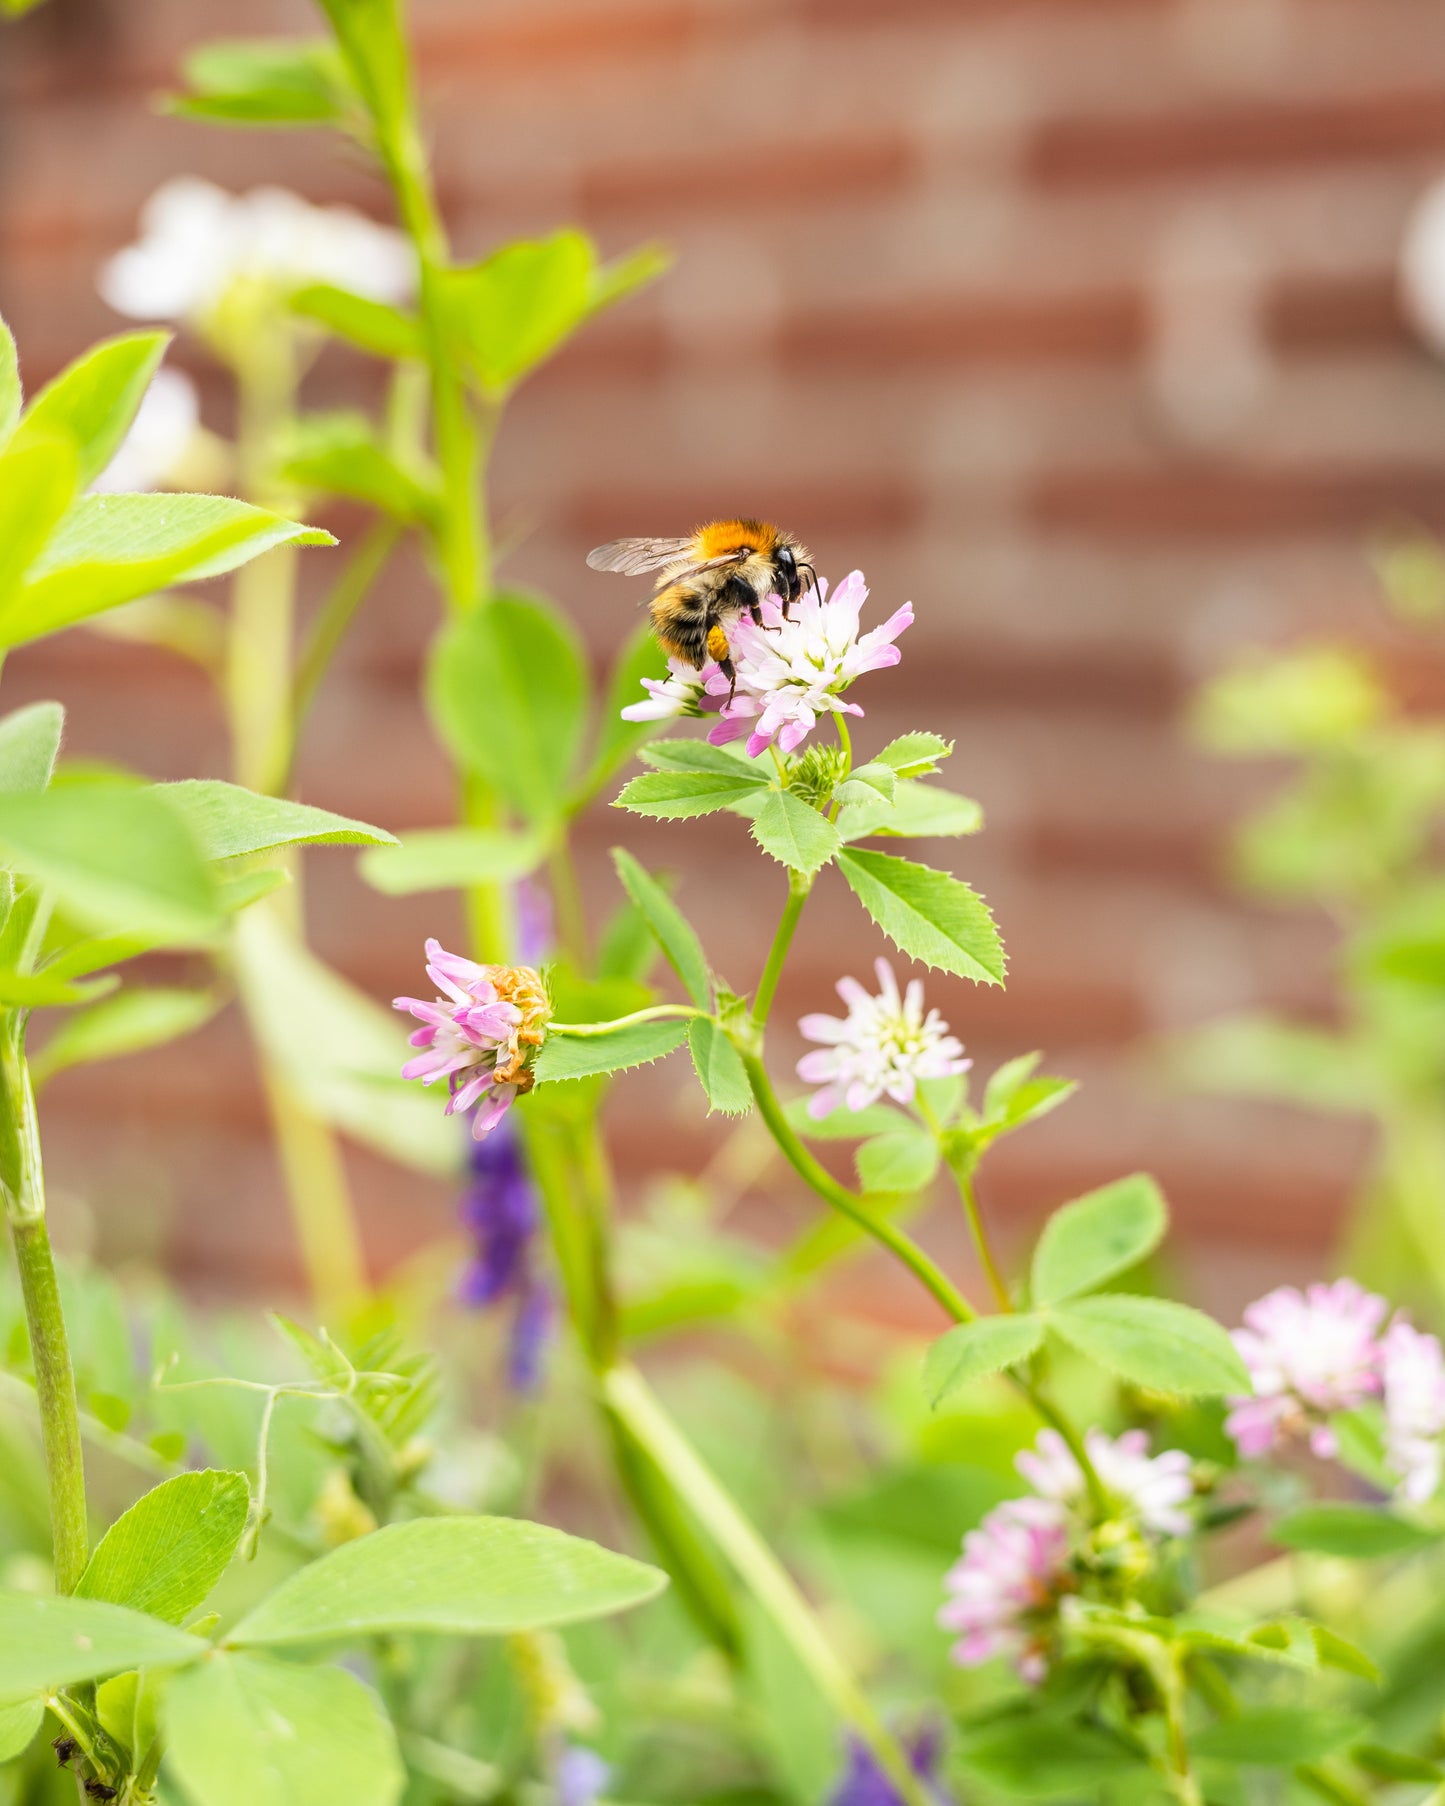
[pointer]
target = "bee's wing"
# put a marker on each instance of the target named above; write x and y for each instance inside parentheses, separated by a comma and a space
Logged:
(633, 556)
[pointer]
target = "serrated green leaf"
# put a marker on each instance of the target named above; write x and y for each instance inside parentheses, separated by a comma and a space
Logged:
(19, 1721)
(450, 859)
(788, 830)
(918, 811)
(674, 795)
(165, 1554)
(671, 928)
(697, 755)
(865, 783)
(115, 857)
(1275, 1736)
(48, 1642)
(507, 690)
(581, 1056)
(971, 1351)
(902, 1160)
(227, 820)
(1359, 1532)
(111, 548)
(126, 1023)
(1088, 1241)
(93, 401)
(929, 915)
(29, 742)
(468, 1576)
(915, 755)
(371, 326)
(719, 1068)
(1155, 1343)
(246, 1731)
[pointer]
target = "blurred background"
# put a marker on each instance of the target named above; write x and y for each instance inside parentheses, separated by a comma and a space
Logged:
(1077, 322)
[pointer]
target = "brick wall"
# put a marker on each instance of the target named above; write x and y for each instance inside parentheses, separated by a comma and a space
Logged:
(1073, 320)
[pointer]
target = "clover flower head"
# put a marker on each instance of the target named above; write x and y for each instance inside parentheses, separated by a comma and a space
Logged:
(791, 671)
(882, 1047)
(681, 692)
(481, 1035)
(165, 425)
(1413, 1370)
(197, 240)
(1309, 1354)
(1005, 1591)
(1151, 1488)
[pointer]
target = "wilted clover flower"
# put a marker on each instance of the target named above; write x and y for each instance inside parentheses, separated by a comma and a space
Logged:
(481, 1036)
(1005, 1590)
(790, 671)
(163, 431)
(1309, 1354)
(197, 241)
(883, 1046)
(1413, 1374)
(1152, 1488)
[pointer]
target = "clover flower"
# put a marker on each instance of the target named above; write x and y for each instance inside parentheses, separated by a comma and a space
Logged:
(481, 1036)
(1007, 1586)
(681, 692)
(1151, 1488)
(162, 432)
(791, 671)
(1413, 1373)
(883, 1046)
(197, 240)
(1309, 1354)
(864, 1783)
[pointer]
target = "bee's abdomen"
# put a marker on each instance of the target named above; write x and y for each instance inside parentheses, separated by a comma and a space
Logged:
(681, 616)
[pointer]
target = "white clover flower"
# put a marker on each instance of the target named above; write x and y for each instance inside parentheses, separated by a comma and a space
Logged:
(789, 672)
(883, 1046)
(1422, 267)
(1152, 1488)
(681, 692)
(163, 431)
(1005, 1591)
(1309, 1354)
(1413, 1368)
(197, 241)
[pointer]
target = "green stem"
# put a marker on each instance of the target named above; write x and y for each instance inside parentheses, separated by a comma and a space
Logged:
(628, 1395)
(798, 888)
(962, 1173)
(22, 1180)
(657, 1012)
(321, 1206)
(567, 896)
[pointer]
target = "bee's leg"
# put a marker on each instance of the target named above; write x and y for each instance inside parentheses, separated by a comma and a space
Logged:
(729, 671)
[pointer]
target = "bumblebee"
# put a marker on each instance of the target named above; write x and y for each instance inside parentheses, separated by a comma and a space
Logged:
(725, 569)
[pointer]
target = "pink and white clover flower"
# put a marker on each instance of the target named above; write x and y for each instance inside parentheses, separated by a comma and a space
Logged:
(1413, 1369)
(481, 1035)
(1005, 1590)
(1154, 1489)
(792, 671)
(882, 1047)
(1309, 1354)
(681, 692)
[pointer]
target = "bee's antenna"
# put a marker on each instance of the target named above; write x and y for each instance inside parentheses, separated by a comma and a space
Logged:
(812, 575)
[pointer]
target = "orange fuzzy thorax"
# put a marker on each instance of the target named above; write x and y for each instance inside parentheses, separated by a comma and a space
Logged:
(721, 536)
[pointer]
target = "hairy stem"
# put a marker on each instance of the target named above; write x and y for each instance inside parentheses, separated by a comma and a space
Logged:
(963, 1174)
(798, 888)
(657, 1012)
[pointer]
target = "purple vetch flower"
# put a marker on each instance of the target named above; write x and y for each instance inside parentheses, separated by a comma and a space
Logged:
(580, 1775)
(882, 1047)
(865, 1784)
(1152, 1488)
(1413, 1371)
(481, 1035)
(499, 1210)
(793, 669)
(1005, 1591)
(1309, 1354)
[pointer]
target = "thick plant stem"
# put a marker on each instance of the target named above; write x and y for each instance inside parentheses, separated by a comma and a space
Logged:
(24, 1188)
(631, 1399)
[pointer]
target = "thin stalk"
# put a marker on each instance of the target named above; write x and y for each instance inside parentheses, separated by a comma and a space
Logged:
(114, 1442)
(321, 1207)
(628, 1395)
(657, 1012)
(798, 888)
(567, 897)
(964, 1177)
(22, 1180)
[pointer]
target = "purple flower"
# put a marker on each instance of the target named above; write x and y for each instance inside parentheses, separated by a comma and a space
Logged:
(499, 1208)
(1309, 1354)
(1413, 1368)
(865, 1784)
(790, 671)
(580, 1774)
(481, 1036)
(884, 1046)
(1007, 1586)
(1152, 1488)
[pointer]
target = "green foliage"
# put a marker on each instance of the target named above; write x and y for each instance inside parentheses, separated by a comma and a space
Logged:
(245, 1731)
(670, 928)
(19, 1721)
(135, 1019)
(901, 1160)
(466, 1576)
(1273, 1736)
(971, 1351)
(635, 1044)
(1361, 1532)
(370, 326)
(450, 858)
(915, 755)
(49, 1642)
(792, 833)
(674, 795)
(265, 82)
(719, 1068)
(29, 743)
(1153, 1342)
(507, 688)
(928, 915)
(227, 821)
(165, 1554)
(342, 454)
(93, 401)
(1299, 702)
(1102, 1234)
(1037, 1758)
(11, 395)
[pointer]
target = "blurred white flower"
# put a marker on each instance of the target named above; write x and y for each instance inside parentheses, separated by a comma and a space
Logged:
(197, 240)
(1414, 1371)
(1152, 1488)
(885, 1044)
(1309, 1354)
(1004, 1593)
(1422, 267)
(163, 431)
